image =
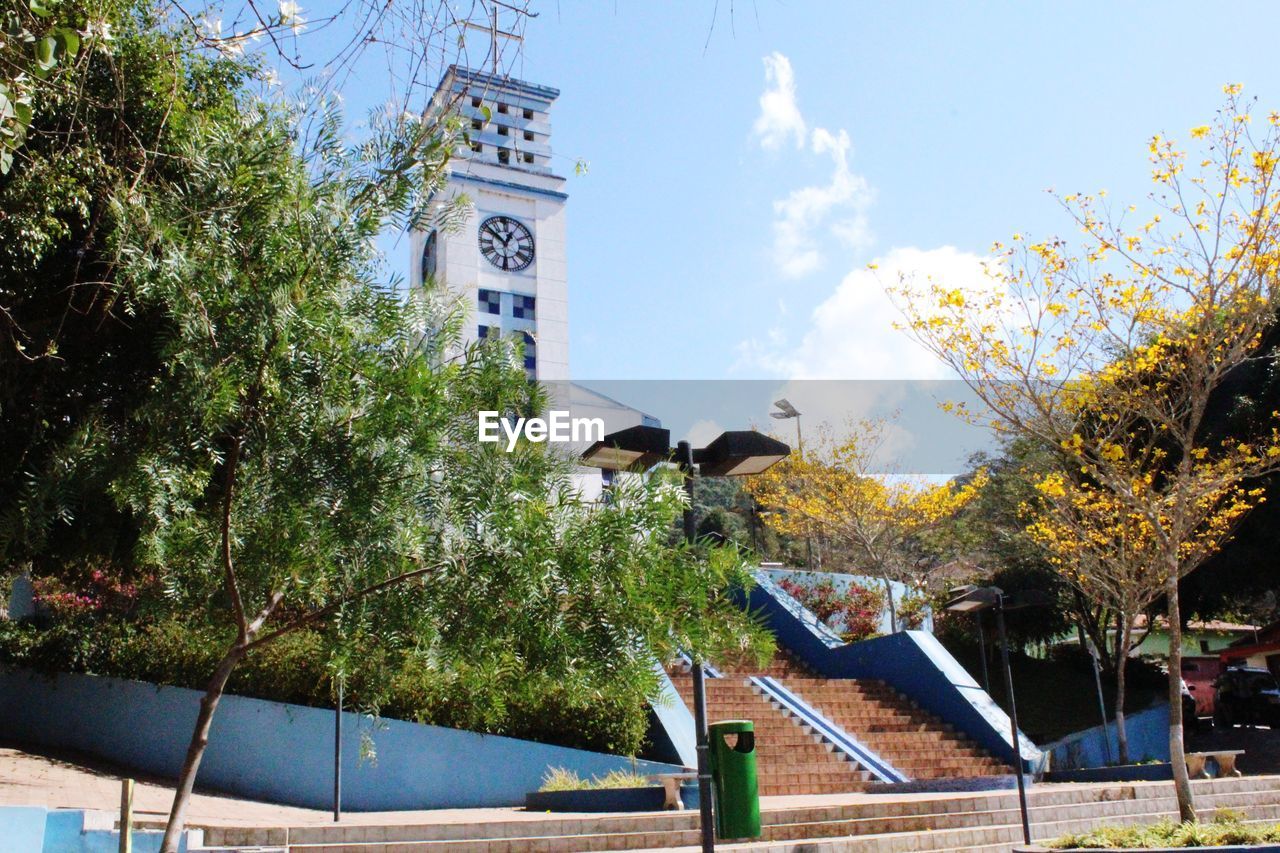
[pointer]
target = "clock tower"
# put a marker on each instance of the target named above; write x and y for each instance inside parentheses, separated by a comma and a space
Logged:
(507, 261)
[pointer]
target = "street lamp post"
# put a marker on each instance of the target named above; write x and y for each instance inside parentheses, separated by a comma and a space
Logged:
(785, 412)
(982, 653)
(684, 459)
(1102, 701)
(733, 454)
(337, 755)
(1013, 718)
(972, 599)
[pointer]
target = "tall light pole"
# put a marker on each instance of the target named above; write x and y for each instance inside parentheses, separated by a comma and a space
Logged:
(973, 599)
(1102, 701)
(786, 412)
(734, 454)
(337, 755)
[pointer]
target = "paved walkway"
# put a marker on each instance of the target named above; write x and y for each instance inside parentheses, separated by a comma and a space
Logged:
(73, 781)
(68, 780)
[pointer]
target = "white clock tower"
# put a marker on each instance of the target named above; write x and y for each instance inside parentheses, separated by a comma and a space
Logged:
(508, 260)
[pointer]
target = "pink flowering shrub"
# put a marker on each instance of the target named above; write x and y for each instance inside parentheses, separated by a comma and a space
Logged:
(100, 593)
(853, 613)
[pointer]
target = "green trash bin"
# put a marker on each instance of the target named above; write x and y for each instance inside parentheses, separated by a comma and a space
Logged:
(733, 775)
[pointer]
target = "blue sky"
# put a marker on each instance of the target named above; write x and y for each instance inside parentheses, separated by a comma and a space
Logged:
(743, 174)
(709, 228)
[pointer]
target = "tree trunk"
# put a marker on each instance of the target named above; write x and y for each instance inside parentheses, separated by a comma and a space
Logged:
(893, 610)
(195, 751)
(1122, 736)
(1177, 756)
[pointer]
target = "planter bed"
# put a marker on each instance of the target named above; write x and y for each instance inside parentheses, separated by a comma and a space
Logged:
(647, 799)
(1231, 848)
(1122, 773)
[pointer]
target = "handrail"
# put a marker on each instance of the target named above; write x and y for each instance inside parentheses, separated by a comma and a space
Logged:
(829, 731)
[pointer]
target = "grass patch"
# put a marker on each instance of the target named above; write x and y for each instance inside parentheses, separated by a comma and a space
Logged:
(1226, 828)
(560, 779)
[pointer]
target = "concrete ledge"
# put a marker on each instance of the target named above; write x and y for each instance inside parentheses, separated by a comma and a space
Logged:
(282, 753)
(1232, 848)
(1123, 773)
(647, 799)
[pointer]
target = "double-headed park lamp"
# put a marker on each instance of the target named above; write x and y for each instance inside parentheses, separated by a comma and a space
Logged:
(736, 453)
(973, 599)
(785, 410)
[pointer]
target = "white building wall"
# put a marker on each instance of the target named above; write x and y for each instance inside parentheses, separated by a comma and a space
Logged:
(525, 189)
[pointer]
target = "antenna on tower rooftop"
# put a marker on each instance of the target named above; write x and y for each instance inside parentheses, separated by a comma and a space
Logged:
(492, 28)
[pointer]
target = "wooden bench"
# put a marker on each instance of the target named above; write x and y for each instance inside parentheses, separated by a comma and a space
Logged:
(1225, 758)
(671, 783)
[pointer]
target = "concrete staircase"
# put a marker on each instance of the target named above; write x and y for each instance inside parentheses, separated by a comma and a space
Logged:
(792, 759)
(914, 741)
(939, 823)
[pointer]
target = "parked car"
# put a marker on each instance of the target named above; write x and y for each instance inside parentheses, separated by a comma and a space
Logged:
(1199, 672)
(1246, 695)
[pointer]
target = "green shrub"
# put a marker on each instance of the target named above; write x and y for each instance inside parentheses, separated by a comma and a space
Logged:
(508, 698)
(1226, 828)
(560, 779)
(621, 779)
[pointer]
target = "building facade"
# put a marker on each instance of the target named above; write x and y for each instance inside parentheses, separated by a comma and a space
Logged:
(508, 259)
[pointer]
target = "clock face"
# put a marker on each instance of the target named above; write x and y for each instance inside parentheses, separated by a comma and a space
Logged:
(506, 243)
(430, 255)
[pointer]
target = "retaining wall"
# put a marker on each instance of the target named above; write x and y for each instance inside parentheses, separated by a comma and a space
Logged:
(284, 753)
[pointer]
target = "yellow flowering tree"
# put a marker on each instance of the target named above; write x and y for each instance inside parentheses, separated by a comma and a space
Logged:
(836, 488)
(1111, 352)
(1111, 551)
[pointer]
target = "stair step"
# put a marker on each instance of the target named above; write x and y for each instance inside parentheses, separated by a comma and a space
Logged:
(977, 834)
(941, 823)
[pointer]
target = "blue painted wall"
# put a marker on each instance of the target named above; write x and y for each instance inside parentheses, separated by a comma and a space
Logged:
(35, 829)
(913, 662)
(1148, 733)
(672, 728)
(284, 753)
(22, 828)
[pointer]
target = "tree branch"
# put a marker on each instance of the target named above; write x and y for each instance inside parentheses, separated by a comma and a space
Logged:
(329, 608)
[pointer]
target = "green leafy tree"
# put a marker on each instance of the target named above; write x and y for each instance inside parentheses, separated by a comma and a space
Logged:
(295, 449)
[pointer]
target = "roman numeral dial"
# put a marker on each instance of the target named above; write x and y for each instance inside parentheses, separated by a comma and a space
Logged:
(506, 243)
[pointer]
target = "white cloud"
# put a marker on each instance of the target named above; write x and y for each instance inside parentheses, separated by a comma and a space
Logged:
(800, 219)
(809, 216)
(852, 334)
(779, 118)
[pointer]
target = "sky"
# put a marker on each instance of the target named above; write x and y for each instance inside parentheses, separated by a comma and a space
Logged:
(743, 174)
(746, 167)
